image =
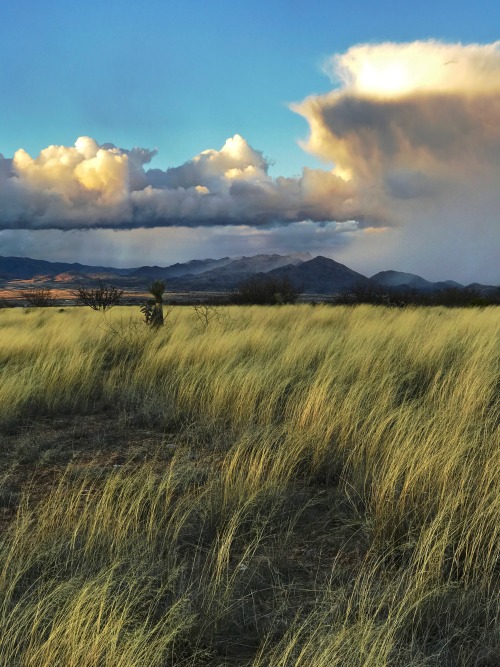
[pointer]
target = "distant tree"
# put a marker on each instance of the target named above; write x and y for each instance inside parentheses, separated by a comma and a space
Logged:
(452, 297)
(103, 297)
(153, 309)
(458, 297)
(363, 292)
(495, 296)
(39, 298)
(266, 291)
(4, 303)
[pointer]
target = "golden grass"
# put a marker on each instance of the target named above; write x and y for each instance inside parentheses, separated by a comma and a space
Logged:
(391, 416)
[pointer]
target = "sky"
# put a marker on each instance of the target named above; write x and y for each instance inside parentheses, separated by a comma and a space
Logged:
(156, 132)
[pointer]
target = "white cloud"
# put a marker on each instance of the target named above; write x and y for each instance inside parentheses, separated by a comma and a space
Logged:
(392, 70)
(92, 186)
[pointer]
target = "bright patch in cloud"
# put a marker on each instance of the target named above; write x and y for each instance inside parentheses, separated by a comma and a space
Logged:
(420, 67)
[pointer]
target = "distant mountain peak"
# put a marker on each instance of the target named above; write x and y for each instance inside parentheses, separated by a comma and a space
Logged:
(401, 279)
(321, 275)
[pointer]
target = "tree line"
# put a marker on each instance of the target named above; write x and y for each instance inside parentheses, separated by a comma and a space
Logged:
(267, 290)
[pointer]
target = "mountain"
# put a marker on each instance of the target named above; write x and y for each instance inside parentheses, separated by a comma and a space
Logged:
(237, 270)
(265, 263)
(25, 268)
(403, 281)
(320, 275)
(484, 290)
(194, 267)
(217, 273)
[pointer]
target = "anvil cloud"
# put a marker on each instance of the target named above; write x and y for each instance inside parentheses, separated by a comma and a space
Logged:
(415, 129)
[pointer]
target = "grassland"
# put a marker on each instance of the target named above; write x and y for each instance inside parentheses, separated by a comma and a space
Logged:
(293, 486)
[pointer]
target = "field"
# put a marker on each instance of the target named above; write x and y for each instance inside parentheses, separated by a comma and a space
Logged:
(293, 486)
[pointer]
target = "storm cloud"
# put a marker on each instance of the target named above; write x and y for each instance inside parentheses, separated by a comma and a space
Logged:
(410, 137)
(415, 129)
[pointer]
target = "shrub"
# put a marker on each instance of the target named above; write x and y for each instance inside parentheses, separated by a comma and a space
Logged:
(452, 297)
(103, 297)
(39, 298)
(266, 291)
(4, 303)
(153, 309)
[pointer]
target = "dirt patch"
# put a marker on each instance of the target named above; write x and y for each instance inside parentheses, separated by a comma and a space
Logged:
(36, 453)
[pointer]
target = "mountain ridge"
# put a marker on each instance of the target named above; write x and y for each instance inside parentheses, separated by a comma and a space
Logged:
(400, 280)
(316, 275)
(320, 275)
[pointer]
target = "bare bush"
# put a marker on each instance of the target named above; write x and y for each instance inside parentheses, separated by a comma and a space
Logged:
(126, 330)
(207, 314)
(39, 298)
(103, 297)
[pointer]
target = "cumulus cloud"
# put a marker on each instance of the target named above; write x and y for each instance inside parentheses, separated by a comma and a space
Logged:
(392, 70)
(93, 186)
(411, 108)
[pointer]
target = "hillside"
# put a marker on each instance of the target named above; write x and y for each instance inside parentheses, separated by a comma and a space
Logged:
(234, 272)
(321, 275)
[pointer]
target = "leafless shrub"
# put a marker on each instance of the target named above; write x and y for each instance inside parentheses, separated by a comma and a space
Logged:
(39, 298)
(103, 297)
(207, 314)
(126, 330)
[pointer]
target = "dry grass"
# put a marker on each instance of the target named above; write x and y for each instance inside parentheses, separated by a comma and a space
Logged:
(322, 489)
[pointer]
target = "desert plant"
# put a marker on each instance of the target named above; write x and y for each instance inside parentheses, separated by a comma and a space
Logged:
(39, 298)
(153, 310)
(103, 297)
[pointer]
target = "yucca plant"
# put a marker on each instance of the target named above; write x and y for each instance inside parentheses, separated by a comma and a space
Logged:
(153, 312)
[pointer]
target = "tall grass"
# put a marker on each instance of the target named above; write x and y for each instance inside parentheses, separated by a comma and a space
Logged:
(334, 499)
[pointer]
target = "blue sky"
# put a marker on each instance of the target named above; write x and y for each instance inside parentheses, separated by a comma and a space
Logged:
(183, 77)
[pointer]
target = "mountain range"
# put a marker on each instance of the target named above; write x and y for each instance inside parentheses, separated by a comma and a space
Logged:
(315, 275)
